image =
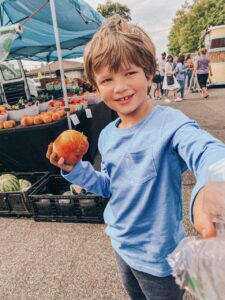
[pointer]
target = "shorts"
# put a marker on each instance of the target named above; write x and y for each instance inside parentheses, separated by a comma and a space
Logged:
(202, 79)
(156, 79)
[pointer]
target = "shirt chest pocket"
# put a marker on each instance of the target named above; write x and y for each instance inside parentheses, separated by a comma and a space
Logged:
(140, 166)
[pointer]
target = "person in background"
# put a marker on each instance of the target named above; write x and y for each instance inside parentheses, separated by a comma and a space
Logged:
(144, 153)
(175, 58)
(181, 71)
(162, 63)
(156, 84)
(190, 67)
(170, 83)
(203, 68)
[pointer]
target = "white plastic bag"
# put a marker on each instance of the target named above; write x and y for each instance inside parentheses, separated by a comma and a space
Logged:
(7, 37)
(199, 265)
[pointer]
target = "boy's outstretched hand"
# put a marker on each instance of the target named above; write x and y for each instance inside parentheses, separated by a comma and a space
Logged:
(209, 206)
(57, 161)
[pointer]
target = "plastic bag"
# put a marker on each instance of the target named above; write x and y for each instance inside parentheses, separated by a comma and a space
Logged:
(197, 264)
(7, 36)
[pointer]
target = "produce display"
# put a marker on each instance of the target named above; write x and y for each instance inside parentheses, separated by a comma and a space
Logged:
(10, 183)
(71, 145)
(22, 103)
(29, 112)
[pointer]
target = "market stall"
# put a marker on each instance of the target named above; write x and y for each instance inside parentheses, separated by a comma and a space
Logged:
(27, 127)
(23, 148)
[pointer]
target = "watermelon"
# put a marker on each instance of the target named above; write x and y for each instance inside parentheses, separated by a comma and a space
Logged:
(24, 185)
(9, 183)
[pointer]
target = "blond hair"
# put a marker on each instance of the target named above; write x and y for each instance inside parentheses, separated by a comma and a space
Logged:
(117, 44)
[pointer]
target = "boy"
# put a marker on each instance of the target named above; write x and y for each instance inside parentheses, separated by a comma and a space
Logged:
(144, 153)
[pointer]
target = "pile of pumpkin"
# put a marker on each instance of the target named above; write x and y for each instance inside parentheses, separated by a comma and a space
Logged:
(42, 118)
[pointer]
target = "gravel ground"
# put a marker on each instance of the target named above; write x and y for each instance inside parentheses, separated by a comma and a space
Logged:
(67, 261)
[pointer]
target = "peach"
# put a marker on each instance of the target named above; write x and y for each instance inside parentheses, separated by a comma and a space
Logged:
(1, 125)
(71, 145)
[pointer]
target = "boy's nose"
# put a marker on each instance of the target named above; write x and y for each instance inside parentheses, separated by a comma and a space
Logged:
(119, 86)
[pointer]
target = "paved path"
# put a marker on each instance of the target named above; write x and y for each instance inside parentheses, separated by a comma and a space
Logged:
(57, 261)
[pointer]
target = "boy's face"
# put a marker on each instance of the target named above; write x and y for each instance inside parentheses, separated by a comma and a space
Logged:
(124, 91)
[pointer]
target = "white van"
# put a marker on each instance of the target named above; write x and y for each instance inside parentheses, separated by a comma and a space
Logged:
(13, 83)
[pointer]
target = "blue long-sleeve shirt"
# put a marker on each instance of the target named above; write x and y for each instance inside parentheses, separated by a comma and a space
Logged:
(141, 173)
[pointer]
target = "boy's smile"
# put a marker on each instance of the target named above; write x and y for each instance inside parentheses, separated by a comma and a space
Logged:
(125, 91)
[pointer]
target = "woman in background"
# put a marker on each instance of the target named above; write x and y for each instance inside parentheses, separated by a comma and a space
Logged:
(181, 71)
(170, 83)
(190, 67)
(203, 69)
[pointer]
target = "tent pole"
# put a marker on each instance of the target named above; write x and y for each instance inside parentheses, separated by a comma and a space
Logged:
(59, 53)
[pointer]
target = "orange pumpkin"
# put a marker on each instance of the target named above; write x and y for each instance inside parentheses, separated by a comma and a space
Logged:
(37, 120)
(26, 121)
(46, 118)
(8, 124)
(56, 116)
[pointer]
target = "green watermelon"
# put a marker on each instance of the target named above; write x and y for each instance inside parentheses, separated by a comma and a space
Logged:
(9, 183)
(24, 185)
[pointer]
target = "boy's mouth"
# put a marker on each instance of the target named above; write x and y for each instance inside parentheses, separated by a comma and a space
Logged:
(124, 99)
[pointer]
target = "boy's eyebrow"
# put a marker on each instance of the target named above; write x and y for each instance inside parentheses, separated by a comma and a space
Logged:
(103, 76)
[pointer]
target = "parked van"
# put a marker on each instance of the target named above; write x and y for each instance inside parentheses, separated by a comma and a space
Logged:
(215, 44)
(13, 83)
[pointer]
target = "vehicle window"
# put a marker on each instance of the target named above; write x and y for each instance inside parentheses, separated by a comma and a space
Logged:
(10, 70)
(218, 43)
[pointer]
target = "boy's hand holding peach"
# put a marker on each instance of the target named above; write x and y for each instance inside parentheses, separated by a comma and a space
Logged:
(67, 149)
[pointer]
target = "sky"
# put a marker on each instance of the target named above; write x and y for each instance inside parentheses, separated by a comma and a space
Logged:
(154, 16)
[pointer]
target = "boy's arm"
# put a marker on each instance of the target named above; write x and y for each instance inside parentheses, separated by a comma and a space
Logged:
(84, 175)
(200, 150)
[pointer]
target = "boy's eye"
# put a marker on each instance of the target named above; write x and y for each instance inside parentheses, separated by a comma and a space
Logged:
(131, 73)
(106, 80)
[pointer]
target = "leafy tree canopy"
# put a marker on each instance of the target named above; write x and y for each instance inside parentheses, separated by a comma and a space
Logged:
(111, 8)
(190, 23)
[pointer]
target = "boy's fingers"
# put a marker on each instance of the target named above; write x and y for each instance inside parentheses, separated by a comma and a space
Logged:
(61, 162)
(205, 226)
(53, 158)
(49, 150)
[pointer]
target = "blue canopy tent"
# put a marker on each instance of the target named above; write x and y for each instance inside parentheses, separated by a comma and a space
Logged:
(77, 23)
(52, 30)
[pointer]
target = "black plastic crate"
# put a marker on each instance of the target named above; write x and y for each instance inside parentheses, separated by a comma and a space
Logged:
(17, 203)
(48, 203)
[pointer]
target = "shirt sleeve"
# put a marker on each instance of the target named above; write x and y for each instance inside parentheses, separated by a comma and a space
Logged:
(84, 175)
(199, 150)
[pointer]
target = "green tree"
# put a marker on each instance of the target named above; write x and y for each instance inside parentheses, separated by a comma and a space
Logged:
(190, 23)
(111, 8)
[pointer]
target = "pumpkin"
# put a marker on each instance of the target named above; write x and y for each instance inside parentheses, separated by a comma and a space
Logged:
(8, 124)
(26, 121)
